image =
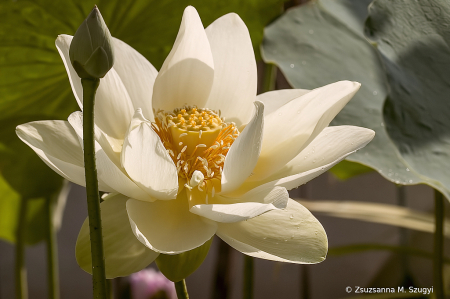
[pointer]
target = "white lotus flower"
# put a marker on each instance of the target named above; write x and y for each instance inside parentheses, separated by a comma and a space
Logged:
(192, 151)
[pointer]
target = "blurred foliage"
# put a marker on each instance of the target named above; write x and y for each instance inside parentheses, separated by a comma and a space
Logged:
(323, 41)
(357, 248)
(377, 213)
(345, 170)
(23, 176)
(34, 83)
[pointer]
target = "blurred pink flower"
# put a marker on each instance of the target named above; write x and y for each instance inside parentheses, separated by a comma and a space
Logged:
(149, 283)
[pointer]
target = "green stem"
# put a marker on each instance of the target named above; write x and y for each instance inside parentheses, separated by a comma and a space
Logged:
(438, 245)
(270, 76)
(304, 282)
(401, 201)
(52, 252)
(93, 200)
(180, 287)
(109, 288)
(248, 277)
(20, 269)
(221, 282)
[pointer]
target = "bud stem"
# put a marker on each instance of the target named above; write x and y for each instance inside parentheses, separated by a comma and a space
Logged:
(20, 268)
(180, 287)
(438, 263)
(248, 278)
(52, 249)
(93, 200)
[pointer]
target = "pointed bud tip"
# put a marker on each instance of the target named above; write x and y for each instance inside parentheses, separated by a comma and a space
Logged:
(95, 12)
(91, 51)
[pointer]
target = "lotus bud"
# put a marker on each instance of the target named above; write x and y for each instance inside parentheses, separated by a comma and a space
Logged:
(179, 266)
(91, 51)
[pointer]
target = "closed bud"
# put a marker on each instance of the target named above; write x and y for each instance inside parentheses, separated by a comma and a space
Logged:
(179, 266)
(91, 51)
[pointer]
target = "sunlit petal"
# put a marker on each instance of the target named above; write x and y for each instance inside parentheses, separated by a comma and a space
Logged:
(291, 235)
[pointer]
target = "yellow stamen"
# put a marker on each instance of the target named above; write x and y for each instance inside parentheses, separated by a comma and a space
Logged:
(197, 140)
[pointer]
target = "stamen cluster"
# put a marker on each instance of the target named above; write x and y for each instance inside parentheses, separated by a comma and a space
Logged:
(196, 139)
(193, 119)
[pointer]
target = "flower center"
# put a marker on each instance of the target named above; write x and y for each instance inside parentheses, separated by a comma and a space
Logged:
(197, 140)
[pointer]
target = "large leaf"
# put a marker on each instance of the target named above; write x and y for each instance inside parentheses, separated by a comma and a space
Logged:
(322, 42)
(24, 177)
(413, 39)
(34, 83)
(35, 219)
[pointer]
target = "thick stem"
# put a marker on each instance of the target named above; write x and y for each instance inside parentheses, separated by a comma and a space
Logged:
(1, 288)
(248, 277)
(110, 288)
(304, 281)
(401, 201)
(20, 269)
(438, 281)
(52, 252)
(93, 200)
(180, 287)
(221, 282)
(407, 279)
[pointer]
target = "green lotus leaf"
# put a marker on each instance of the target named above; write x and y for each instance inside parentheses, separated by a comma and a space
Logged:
(322, 42)
(413, 40)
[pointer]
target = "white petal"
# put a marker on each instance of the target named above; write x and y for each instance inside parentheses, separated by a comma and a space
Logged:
(113, 106)
(330, 145)
(137, 74)
(329, 148)
(57, 145)
(293, 126)
(109, 172)
(124, 254)
(147, 162)
(244, 152)
(167, 226)
(274, 99)
(250, 205)
(291, 235)
(235, 76)
(63, 44)
(111, 146)
(187, 74)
